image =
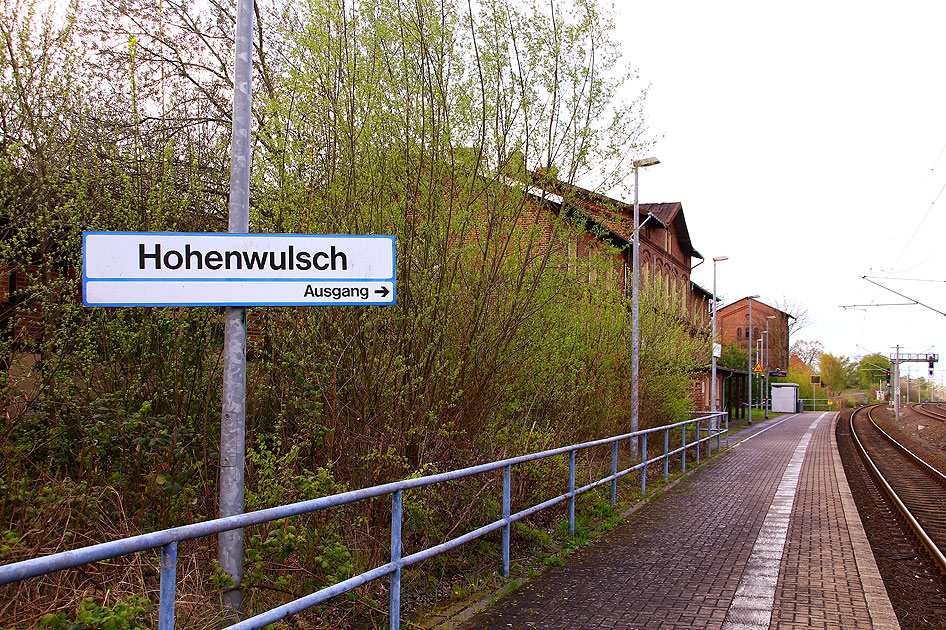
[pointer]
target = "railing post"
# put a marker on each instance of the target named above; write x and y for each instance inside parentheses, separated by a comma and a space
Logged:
(727, 429)
(168, 586)
(699, 434)
(507, 493)
(644, 467)
(614, 473)
(684, 450)
(666, 455)
(709, 439)
(719, 436)
(395, 609)
(571, 492)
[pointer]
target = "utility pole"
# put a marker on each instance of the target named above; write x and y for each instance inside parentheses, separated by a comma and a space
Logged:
(768, 375)
(233, 413)
(749, 335)
(635, 306)
(896, 384)
(749, 339)
(713, 405)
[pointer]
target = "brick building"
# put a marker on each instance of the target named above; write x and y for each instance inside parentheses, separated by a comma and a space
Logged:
(666, 251)
(666, 261)
(735, 329)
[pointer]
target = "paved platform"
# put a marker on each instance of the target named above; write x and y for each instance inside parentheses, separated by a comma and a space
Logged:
(765, 536)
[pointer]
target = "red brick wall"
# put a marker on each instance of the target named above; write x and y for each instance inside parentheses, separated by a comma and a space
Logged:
(732, 322)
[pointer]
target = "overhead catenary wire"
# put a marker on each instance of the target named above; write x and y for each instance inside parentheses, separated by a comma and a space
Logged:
(936, 161)
(906, 279)
(920, 225)
(917, 302)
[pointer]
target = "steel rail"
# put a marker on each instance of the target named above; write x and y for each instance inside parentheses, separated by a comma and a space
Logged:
(936, 412)
(906, 451)
(914, 524)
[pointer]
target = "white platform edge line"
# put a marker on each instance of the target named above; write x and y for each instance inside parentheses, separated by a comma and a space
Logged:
(752, 607)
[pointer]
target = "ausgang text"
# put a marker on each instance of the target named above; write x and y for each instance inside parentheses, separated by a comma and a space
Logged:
(336, 293)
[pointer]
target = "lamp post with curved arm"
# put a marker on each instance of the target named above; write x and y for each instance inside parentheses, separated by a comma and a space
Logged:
(635, 306)
(749, 337)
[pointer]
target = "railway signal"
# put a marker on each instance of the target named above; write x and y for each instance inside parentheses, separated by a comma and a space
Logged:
(896, 359)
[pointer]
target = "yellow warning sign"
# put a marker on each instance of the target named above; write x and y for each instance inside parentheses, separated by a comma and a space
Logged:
(758, 368)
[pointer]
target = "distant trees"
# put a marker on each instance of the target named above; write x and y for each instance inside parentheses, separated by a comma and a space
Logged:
(871, 371)
(808, 351)
(837, 373)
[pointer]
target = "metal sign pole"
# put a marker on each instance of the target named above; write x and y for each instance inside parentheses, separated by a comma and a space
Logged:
(749, 337)
(896, 384)
(635, 321)
(767, 374)
(233, 413)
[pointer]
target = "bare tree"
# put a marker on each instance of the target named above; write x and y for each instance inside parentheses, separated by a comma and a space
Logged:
(799, 317)
(808, 351)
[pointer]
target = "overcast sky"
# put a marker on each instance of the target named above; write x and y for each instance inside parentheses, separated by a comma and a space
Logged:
(805, 141)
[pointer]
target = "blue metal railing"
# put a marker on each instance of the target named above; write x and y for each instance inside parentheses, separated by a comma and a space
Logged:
(169, 538)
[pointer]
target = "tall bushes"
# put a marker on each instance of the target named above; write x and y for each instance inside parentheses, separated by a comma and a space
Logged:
(416, 120)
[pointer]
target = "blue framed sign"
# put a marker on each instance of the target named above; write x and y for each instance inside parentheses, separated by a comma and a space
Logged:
(225, 269)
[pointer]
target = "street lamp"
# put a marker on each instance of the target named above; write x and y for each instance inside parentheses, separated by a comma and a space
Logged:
(768, 376)
(635, 304)
(715, 344)
(749, 338)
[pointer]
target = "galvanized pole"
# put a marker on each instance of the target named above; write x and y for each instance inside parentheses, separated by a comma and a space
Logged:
(765, 374)
(233, 415)
(635, 306)
(635, 314)
(749, 336)
(896, 384)
(713, 404)
(713, 349)
(713, 393)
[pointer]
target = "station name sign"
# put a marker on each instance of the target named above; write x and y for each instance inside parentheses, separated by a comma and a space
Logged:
(225, 269)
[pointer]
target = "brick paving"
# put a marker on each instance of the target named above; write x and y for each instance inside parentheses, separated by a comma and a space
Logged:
(677, 562)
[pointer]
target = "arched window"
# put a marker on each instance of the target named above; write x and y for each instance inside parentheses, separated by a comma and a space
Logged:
(755, 333)
(739, 333)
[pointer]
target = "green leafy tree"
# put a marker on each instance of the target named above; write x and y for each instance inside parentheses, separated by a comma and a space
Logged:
(836, 372)
(732, 356)
(871, 371)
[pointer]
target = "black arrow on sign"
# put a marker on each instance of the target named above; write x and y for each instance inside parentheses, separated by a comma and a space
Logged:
(383, 291)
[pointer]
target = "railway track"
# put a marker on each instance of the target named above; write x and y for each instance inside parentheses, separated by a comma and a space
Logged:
(916, 489)
(930, 410)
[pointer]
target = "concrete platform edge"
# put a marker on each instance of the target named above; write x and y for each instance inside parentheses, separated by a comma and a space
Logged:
(881, 610)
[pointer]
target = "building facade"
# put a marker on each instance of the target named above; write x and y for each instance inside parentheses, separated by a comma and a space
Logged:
(666, 261)
(735, 329)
